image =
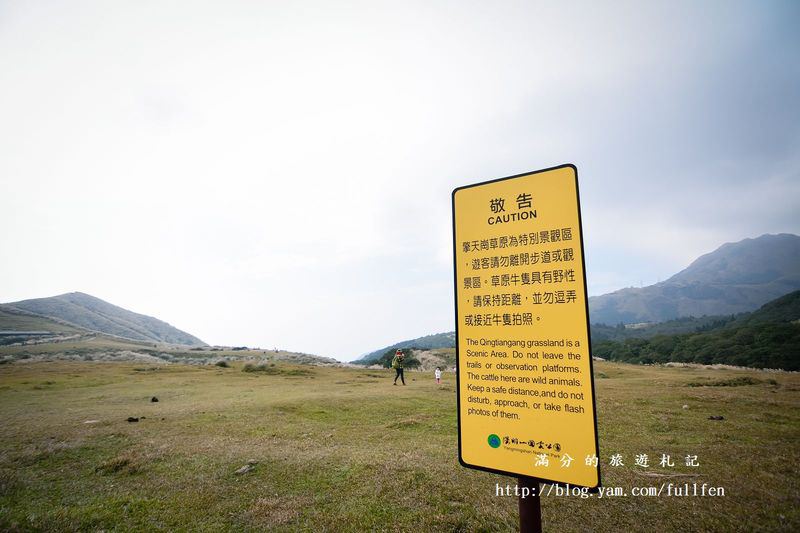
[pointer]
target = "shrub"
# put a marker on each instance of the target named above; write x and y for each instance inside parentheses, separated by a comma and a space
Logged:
(264, 369)
(733, 382)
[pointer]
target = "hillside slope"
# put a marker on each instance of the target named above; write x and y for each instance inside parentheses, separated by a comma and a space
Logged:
(18, 320)
(94, 314)
(766, 338)
(735, 278)
(428, 342)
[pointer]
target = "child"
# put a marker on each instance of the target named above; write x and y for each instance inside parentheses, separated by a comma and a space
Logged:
(438, 375)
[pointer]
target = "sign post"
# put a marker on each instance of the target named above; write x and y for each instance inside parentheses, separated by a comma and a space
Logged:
(530, 508)
(525, 388)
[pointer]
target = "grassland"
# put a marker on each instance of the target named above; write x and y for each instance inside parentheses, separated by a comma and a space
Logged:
(97, 347)
(341, 449)
(22, 322)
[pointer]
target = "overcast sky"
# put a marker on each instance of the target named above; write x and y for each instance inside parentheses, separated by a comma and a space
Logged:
(278, 174)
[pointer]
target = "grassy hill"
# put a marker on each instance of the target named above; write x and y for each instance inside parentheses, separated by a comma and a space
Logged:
(767, 338)
(96, 347)
(17, 320)
(340, 449)
(93, 314)
(68, 342)
(690, 324)
(428, 342)
(422, 359)
(781, 310)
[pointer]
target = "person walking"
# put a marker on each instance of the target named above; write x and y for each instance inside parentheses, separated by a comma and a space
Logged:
(438, 375)
(397, 364)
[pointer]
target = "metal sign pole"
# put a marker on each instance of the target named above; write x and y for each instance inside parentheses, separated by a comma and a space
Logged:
(530, 508)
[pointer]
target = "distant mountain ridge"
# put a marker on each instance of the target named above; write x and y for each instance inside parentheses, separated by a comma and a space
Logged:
(735, 278)
(428, 342)
(766, 338)
(93, 314)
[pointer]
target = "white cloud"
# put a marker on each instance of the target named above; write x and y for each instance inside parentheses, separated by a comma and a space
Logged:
(280, 174)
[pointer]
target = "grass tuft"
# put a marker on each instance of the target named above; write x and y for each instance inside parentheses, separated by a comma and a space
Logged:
(272, 370)
(733, 382)
(116, 465)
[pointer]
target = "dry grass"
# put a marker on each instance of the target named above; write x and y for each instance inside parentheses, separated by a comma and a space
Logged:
(343, 450)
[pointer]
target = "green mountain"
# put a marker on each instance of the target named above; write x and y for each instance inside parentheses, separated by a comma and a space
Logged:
(429, 342)
(781, 310)
(676, 326)
(766, 338)
(700, 314)
(85, 312)
(735, 278)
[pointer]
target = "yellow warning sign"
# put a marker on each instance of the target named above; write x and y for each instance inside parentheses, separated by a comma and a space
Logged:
(525, 388)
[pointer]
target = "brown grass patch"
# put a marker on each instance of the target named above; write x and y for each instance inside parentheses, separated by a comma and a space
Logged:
(410, 422)
(126, 463)
(275, 510)
(119, 464)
